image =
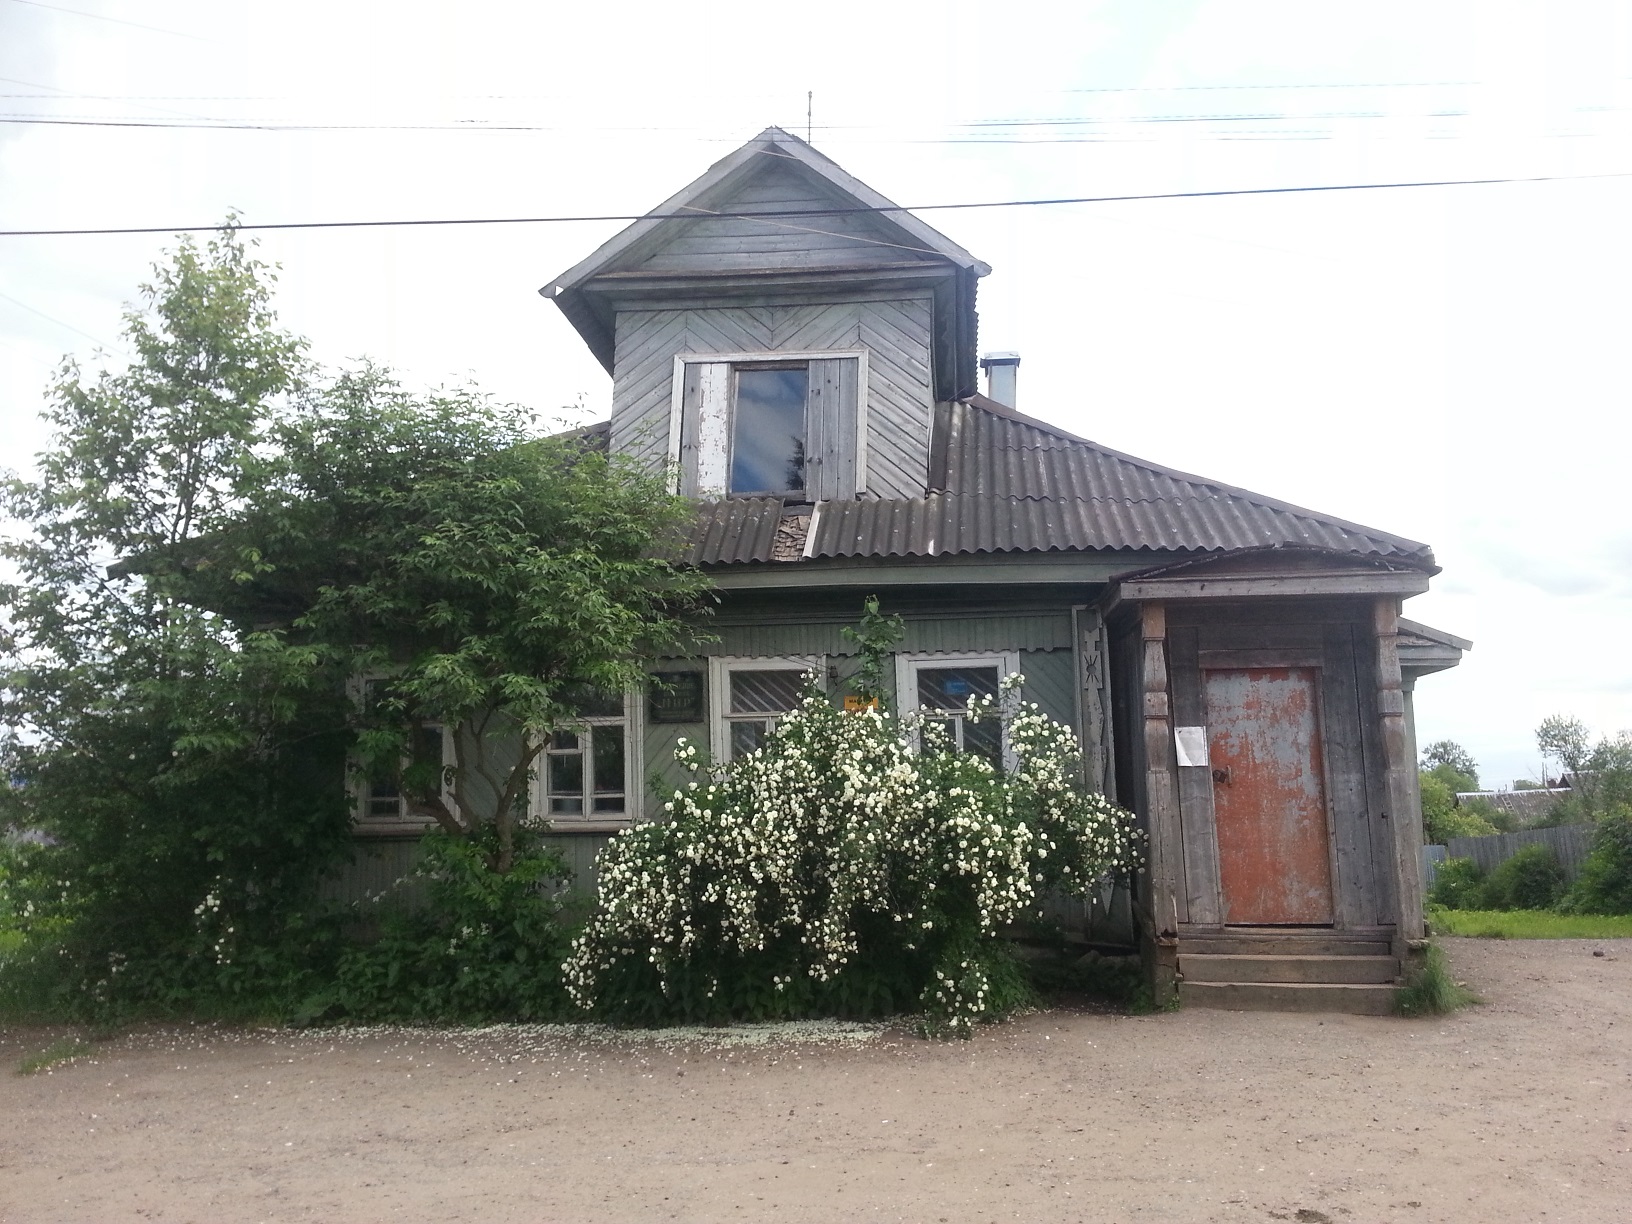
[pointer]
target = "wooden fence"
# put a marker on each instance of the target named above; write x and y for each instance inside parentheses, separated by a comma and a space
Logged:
(1570, 843)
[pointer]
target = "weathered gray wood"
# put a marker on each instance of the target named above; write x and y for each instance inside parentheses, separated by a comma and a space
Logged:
(1196, 818)
(1371, 583)
(1380, 830)
(1398, 767)
(1570, 844)
(1353, 867)
(1269, 657)
(1094, 720)
(831, 440)
(1169, 904)
(895, 405)
(690, 401)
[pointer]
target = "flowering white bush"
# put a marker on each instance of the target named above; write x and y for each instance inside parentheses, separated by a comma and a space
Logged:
(836, 870)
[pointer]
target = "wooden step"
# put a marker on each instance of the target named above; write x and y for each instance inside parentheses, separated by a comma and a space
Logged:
(1352, 999)
(1375, 970)
(1284, 943)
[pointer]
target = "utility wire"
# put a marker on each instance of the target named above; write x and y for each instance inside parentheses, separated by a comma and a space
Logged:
(764, 214)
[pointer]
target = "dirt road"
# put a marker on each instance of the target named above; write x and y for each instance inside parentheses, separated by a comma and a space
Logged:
(1517, 1110)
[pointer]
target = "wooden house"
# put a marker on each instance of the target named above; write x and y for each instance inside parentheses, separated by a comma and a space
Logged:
(800, 355)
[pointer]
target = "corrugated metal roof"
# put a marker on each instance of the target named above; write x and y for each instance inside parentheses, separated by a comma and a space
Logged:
(1009, 483)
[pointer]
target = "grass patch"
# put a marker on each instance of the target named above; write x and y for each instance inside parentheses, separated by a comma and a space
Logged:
(1431, 990)
(1531, 924)
(63, 1049)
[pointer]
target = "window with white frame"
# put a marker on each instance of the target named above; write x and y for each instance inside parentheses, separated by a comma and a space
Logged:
(940, 687)
(586, 772)
(750, 696)
(380, 795)
(789, 425)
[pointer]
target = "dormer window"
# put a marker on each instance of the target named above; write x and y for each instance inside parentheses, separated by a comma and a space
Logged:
(768, 429)
(787, 425)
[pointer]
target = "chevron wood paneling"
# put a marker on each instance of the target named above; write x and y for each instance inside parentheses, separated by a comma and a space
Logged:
(896, 335)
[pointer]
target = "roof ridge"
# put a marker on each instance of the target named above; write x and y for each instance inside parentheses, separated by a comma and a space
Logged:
(994, 408)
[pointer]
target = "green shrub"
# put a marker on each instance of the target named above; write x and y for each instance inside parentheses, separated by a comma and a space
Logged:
(1458, 884)
(835, 871)
(1531, 880)
(1605, 883)
(486, 945)
(1430, 990)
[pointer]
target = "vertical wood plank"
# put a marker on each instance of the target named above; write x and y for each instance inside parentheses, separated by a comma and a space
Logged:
(1168, 901)
(821, 431)
(713, 428)
(690, 402)
(1357, 885)
(1397, 770)
(1197, 822)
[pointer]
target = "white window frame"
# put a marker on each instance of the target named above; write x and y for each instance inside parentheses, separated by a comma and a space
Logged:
(403, 823)
(720, 668)
(714, 412)
(907, 667)
(590, 821)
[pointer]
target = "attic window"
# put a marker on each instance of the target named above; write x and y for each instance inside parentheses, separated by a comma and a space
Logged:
(768, 429)
(788, 425)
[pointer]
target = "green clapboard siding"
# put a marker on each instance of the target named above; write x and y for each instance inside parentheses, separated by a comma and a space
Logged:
(379, 873)
(963, 634)
(1049, 679)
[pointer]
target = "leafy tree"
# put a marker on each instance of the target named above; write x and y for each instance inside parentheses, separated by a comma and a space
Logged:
(1451, 762)
(1442, 819)
(499, 580)
(171, 760)
(1599, 772)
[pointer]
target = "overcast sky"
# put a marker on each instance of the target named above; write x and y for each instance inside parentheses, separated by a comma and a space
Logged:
(1449, 364)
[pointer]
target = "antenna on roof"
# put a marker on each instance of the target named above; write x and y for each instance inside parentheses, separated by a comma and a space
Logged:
(810, 104)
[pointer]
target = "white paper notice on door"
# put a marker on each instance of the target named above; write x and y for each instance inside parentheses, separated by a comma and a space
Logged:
(1192, 745)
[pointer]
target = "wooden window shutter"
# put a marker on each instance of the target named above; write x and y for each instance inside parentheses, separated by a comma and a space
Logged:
(705, 409)
(832, 421)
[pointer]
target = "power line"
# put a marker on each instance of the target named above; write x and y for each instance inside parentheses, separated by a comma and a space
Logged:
(768, 214)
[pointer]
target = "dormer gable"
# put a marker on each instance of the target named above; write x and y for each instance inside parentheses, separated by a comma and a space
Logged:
(778, 293)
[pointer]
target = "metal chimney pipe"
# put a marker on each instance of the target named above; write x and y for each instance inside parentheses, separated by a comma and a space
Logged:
(1002, 371)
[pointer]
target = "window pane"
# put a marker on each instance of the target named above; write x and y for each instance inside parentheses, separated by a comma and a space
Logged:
(949, 688)
(564, 741)
(567, 773)
(984, 739)
(609, 805)
(746, 737)
(768, 431)
(428, 745)
(384, 798)
(566, 805)
(765, 692)
(608, 752)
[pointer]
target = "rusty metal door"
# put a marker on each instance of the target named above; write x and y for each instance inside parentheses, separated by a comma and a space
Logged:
(1269, 795)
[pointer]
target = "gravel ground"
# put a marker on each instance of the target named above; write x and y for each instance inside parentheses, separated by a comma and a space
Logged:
(1516, 1110)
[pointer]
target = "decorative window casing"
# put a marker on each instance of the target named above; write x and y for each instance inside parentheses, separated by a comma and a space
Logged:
(379, 805)
(939, 686)
(587, 778)
(749, 696)
(789, 424)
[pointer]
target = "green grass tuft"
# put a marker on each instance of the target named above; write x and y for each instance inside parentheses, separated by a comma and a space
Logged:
(1431, 990)
(1531, 924)
(63, 1049)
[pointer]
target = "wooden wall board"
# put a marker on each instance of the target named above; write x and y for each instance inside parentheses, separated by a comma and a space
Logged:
(1196, 815)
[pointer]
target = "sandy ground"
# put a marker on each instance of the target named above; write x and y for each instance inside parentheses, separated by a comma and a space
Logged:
(1517, 1110)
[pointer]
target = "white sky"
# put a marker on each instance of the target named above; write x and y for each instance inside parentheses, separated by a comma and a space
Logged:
(1449, 364)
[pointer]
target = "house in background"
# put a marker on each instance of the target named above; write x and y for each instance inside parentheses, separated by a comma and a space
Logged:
(800, 355)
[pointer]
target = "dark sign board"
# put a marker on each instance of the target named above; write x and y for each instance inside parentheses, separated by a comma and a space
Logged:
(676, 697)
